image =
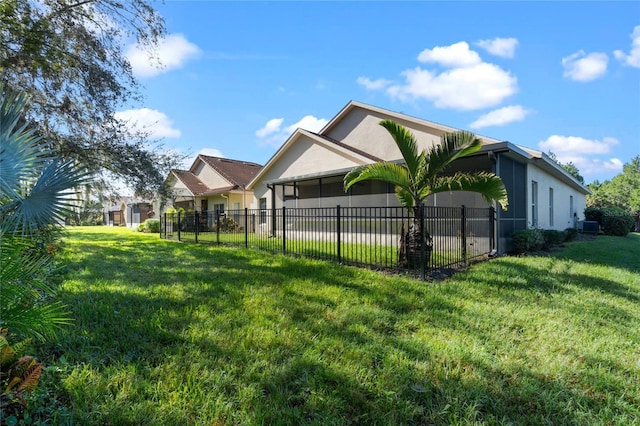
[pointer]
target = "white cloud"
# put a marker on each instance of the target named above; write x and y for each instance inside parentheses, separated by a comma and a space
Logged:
(171, 53)
(369, 84)
(503, 47)
(273, 134)
(455, 55)
(150, 121)
(566, 146)
(272, 126)
(582, 67)
(583, 153)
(308, 122)
(633, 58)
(466, 83)
(479, 86)
(501, 116)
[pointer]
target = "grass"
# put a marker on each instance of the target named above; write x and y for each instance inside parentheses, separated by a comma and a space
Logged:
(170, 334)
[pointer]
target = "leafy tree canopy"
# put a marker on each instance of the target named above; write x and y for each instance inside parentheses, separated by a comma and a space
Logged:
(569, 167)
(622, 191)
(67, 55)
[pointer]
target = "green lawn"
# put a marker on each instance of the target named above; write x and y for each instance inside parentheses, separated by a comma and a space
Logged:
(182, 334)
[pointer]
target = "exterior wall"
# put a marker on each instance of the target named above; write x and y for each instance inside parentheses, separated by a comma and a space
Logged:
(563, 212)
(211, 178)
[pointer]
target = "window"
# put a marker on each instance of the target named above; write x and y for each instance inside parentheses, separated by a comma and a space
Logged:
(263, 210)
(571, 212)
(550, 206)
(219, 208)
(534, 203)
(204, 205)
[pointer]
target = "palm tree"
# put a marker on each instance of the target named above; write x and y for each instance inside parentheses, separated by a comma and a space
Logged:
(35, 190)
(422, 174)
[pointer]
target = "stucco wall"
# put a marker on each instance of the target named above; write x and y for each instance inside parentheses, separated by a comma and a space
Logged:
(208, 175)
(562, 193)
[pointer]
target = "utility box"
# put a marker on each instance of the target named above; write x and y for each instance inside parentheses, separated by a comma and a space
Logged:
(588, 227)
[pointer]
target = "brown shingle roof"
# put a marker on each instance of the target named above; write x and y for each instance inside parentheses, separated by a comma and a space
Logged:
(191, 181)
(237, 172)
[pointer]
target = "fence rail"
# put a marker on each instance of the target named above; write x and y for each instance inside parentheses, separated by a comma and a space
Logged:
(362, 236)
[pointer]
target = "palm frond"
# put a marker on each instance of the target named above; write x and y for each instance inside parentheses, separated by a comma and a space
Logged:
(395, 174)
(20, 153)
(488, 185)
(405, 197)
(452, 146)
(406, 142)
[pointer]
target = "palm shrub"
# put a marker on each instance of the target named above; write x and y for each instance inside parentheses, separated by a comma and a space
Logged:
(423, 174)
(36, 190)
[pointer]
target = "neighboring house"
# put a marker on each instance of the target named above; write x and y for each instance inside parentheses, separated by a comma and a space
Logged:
(128, 212)
(212, 184)
(308, 170)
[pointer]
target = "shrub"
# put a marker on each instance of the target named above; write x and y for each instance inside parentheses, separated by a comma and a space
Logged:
(141, 227)
(152, 226)
(616, 222)
(570, 234)
(593, 214)
(553, 238)
(527, 240)
(227, 224)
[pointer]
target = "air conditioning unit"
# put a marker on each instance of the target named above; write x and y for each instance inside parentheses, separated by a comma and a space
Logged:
(588, 227)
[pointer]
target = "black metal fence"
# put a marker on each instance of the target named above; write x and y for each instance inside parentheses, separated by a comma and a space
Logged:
(362, 236)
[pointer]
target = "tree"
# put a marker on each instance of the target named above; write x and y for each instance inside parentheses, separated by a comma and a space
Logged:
(423, 174)
(35, 191)
(622, 191)
(67, 55)
(569, 167)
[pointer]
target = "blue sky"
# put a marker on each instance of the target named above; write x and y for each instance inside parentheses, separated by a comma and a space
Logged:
(239, 77)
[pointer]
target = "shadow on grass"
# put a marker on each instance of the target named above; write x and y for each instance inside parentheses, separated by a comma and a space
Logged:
(303, 341)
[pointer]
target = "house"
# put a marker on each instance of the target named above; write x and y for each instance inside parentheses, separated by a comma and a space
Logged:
(308, 171)
(128, 212)
(212, 184)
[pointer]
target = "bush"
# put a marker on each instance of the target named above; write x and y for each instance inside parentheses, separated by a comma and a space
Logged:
(593, 214)
(553, 238)
(527, 240)
(616, 222)
(570, 234)
(152, 226)
(141, 227)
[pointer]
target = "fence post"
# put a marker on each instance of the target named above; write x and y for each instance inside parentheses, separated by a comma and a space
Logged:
(423, 246)
(179, 225)
(463, 231)
(284, 224)
(492, 229)
(246, 227)
(197, 225)
(218, 226)
(165, 225)
(338, 231)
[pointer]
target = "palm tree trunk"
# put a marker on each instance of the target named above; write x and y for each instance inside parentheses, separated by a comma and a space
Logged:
(415, 243)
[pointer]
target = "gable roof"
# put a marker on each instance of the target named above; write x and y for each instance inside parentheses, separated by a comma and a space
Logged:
(238, 173)
(489, 144)
(191, 181)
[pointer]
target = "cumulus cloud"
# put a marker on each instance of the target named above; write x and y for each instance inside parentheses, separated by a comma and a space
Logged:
(274, 134)
(455, 77)
(455, 55)
(479, 86)
(369, 84)
(585, 67)
(503, 47)
(272, 126)
(211, 152)
(633, 58)
(500, 117)
(172, 53)
(585, 153)
(150, 121)
(564, 146)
